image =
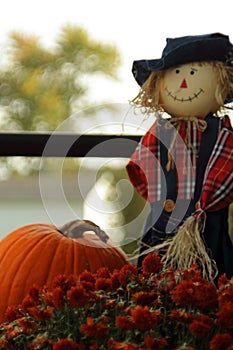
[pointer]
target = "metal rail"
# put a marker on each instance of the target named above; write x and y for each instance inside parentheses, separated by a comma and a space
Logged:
(32, 144)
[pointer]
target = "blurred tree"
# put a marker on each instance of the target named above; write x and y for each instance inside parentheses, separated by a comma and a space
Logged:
(39, 88)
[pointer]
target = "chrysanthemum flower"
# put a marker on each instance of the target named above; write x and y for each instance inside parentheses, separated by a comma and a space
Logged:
(221, 342)
(116, 345)
(151, 264)
(145, 319)
(4, 344)
(225, 295)
(127, 274)
(58, 298)
(66, 344)
(96, 330)
(154, 343)
(225, 315)
(103, 283)
(181, 316)
(64, 282)
(124, 322)
(144, 298)
(77, 296)
(201, 326)
(87, 279)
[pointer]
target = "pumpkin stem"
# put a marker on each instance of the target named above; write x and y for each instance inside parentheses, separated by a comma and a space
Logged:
(76, 228)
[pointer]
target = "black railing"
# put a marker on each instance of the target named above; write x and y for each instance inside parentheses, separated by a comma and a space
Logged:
(32, 144)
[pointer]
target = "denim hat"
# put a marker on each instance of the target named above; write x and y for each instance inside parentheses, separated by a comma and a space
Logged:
(208, 47)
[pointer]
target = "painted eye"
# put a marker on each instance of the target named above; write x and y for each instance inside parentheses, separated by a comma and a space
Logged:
(192, 72)
(177, 71)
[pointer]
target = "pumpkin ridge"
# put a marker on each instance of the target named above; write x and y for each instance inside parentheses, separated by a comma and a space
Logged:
(108, 256)
(23, 263)
(6, 276)
(99, 255)
(86, 257)
(101, 252)
(9, 249)
(13, 239)
(48, 257)
(53, 256)
(89, 250)
(119, 255)
(58, 256)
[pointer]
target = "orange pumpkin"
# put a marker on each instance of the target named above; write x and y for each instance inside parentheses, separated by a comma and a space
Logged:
(36, 253)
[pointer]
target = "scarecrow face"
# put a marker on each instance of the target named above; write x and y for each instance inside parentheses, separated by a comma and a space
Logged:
(189, 90)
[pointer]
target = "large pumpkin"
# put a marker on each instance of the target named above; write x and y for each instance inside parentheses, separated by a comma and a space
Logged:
(36, 253)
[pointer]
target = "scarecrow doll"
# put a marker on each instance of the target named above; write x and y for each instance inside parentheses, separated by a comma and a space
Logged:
(184, 164)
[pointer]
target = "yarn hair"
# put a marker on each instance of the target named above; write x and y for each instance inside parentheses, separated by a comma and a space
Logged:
(148, 97)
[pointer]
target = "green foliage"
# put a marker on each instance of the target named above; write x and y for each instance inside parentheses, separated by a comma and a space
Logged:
(39, 88)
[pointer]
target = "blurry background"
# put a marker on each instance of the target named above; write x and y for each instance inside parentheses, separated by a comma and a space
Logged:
(66, 66)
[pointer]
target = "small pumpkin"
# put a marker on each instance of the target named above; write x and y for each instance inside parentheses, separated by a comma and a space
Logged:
(36, 253)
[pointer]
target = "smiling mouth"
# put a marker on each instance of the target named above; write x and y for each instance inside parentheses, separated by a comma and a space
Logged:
(189, 99)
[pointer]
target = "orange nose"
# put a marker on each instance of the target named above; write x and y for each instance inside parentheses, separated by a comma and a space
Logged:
(184, 84)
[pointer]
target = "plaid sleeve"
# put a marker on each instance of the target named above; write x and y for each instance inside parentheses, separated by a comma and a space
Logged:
(141, 167)
(137, 178)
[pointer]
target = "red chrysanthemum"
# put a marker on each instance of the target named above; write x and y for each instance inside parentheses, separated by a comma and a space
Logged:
(183, 294)
(116, 345)
(124, 322)
(40, 315)
(152, 264)
(58, 298)
(205, 295)
(115, 279)
(144, 298)
(66, 344)
(77, 296)
(87, 280)
(225, 295)
(225, 315)
(103, 283)
(12, 313)
(127, 274)
(95, 330)
(41, 342)
(197, 292)
(154, 343)
(25, 324)
(181, 316)
(64, 282)
(103, 272)
(27, 302)
(4, 344)
(189, 273)
(109, 305)
(35, 294)
(221, 342)
(201, 326)
(48, 298)
(145, 319)
(222, 282)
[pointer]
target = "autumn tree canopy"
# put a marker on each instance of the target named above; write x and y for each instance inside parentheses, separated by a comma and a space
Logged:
(41, 87)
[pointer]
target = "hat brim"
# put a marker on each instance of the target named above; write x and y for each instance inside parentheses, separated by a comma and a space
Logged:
(210, 47)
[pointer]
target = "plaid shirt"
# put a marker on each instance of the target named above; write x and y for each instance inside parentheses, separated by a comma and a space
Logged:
(145, 170)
